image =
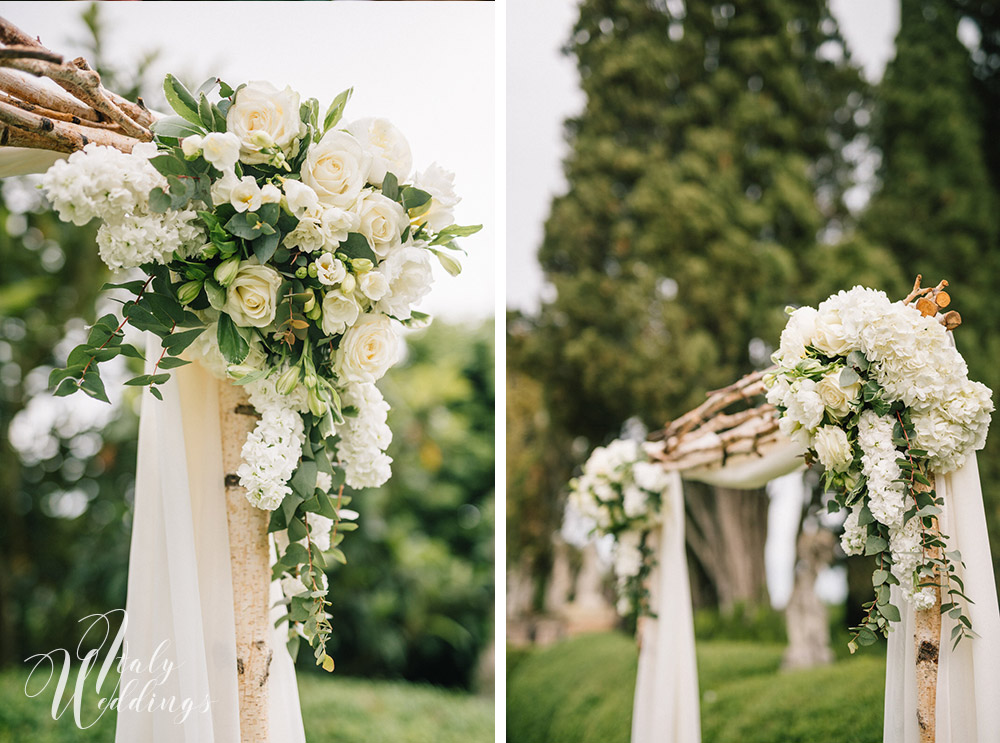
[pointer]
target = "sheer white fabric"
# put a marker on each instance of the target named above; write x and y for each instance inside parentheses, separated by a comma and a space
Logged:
(968, 690)
(180, 586)
(968, 696)
(665, 709)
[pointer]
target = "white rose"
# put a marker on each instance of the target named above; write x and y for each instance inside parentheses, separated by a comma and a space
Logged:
(262, 114)
(220, 149)
(373, 285)
(337, 224)
(388, 147)
(339, 311)
(382, 222)
(440, 184)
(368, 349)
(300, 198)
(336, 168)
(829, 335)
(837, 399)
(246, 195)
(804, 404)
(833, 448)
(797, 335)
(329, 270)
(250, 299)
(308, 236)
(408, 274)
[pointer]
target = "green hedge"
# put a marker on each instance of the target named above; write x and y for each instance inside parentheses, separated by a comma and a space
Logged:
(580, 691)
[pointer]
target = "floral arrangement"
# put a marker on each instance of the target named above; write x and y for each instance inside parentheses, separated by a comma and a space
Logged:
(283, 251)
(880, 395)
(621, 492)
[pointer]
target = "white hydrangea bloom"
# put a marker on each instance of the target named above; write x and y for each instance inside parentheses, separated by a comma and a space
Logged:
(365, 437)
(854, 536)
(878, 463)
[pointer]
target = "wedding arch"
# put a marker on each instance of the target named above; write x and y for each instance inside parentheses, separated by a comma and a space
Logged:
(939, 688)
(280, 250)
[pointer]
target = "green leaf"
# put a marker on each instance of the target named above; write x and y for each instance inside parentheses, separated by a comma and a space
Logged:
(172, 362)
(414, 197)
(296, 554)
(246, 225)
(866, 637)
(890, 612)
(336, 109)
(879, 577)
(177, 342)
(296, 530)
(175, 127)
(180, 99)
(265, 246)
(93, 385)
(390, 187)
(303, 481)
(338, 555)
(858, 360)
(159, 200)
(170, 165)
(848, 377)
(66, 387)
(234, 349)
(875, 544)
(356, 246)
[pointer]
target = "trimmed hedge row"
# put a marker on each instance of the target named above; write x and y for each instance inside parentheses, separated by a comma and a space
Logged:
(580, 691)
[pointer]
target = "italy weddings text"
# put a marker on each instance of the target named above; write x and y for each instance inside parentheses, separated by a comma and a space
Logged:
(85, 681)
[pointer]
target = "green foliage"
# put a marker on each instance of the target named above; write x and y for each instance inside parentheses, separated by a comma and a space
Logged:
(416, 599)
(580, 691)
(334, 709)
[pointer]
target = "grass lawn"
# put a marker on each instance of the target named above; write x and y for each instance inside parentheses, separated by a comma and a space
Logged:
(335, 710)
(580, 691)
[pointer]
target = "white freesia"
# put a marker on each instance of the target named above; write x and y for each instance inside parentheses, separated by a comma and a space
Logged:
(408, 277)
(299, 198)
(251, 297)
(262, 116)
(368, 349)
(222, 189)
(221, 149)
(388, 147)
(339, 312)
(382, 222)
(245, 195)
(191, 146)
(270, 194)
(337, 168)
(329, 270)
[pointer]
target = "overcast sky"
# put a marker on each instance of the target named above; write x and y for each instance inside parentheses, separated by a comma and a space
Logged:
(428, 67)
(542, 91)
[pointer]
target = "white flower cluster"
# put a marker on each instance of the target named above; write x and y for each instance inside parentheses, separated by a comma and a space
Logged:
(365, 437)
(907, 557)
(912, 357)
(114, 186)
(620, 492)
(272, 450)
(854, 536)
(886, 498)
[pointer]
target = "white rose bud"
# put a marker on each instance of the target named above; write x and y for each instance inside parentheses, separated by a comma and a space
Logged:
(337, 168)
(251, 297)
(368, 349)
(221, 150)
(833, 448)
(299, 198)
(191, 146)
(348, 284)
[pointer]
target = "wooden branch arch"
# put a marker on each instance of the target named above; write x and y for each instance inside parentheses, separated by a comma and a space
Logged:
(63, 118)
(708, 436)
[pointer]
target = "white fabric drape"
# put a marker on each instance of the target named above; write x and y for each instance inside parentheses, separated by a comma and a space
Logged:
(968, 689)
(665, 708)
(179, 585)
(968, 695)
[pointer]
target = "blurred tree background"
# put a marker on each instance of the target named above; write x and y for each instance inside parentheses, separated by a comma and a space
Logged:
(730, 160)
(415, 600)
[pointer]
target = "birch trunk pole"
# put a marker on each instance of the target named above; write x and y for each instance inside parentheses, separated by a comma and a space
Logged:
(250, 562)
(927, 638)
